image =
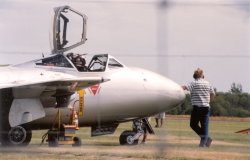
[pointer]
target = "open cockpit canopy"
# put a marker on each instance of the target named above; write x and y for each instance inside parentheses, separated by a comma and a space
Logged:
(69, 29)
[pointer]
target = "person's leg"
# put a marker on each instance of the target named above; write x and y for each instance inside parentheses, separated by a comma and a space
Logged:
(145, 135)
(157, 122)
(194, 121)
(204, 120)
(161, 122)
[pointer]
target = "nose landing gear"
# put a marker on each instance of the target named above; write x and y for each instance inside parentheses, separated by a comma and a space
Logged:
(139, 128)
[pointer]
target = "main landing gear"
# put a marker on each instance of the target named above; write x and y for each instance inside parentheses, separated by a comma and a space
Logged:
(16, 136)
(139, 128)
(11, 136)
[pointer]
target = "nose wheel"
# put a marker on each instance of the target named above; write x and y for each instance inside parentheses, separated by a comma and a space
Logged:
(128, 138)
(140, 127)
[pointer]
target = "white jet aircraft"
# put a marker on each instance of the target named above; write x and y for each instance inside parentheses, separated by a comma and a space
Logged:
(103, 91)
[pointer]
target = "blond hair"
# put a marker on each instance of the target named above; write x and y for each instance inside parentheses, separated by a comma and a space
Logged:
(198, 73)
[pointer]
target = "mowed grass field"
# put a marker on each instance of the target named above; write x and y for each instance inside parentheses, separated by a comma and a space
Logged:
(174, 141)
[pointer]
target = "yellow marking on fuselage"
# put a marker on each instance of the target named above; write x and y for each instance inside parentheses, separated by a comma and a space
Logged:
(81, 101)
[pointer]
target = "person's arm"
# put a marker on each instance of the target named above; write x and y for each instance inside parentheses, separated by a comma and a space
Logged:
(212, 95)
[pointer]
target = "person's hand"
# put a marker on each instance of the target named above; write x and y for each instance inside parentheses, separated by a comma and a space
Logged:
(184, 87)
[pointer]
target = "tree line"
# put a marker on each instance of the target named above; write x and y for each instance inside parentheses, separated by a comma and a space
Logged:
(233, 103)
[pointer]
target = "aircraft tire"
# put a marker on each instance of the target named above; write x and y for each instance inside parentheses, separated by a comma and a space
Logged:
(126, 138)
(77, 142)
(17, 136)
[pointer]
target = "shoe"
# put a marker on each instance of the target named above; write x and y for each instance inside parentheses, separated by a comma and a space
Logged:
(156, 126)
(143, 142)
(202, 143)
(209, 141)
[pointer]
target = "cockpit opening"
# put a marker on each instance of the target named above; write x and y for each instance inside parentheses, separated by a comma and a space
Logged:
(82, 62)
(97, 63)
(79, 61)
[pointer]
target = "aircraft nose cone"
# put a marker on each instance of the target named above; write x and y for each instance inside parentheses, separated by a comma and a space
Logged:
(179, 93)
(173, 92)
(166, 92)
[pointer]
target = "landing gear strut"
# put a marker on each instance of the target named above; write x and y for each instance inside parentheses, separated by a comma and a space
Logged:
(132, 137)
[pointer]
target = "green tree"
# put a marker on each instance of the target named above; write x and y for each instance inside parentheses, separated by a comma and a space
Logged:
(233, 99)
(244, 101)
(218, 110)
(219, 105)
(240, 112)
(236, 88)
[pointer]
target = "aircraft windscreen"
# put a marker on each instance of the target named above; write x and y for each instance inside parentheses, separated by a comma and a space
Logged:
(58, 61)
(113, 63)
(98, 63)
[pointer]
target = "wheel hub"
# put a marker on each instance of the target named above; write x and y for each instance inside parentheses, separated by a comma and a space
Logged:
(130, 140)
(17, 135)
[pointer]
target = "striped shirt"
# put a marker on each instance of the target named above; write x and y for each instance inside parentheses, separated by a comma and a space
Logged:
(200, 90)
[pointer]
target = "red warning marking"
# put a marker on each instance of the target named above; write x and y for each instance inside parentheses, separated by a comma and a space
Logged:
(245, 131)
(94, 89)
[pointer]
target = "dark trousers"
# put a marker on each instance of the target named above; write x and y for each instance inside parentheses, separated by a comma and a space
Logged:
(200, 115)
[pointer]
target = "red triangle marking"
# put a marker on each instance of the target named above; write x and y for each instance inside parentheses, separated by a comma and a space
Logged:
(94, 89)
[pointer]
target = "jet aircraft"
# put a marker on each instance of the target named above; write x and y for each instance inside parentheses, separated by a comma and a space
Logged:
(103, 91)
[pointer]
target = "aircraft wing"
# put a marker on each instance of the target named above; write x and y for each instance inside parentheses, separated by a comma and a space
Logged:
(13, 77)
(81, 82)
(26, 86)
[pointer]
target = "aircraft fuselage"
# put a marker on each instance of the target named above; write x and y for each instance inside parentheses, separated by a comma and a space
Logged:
(131, 93)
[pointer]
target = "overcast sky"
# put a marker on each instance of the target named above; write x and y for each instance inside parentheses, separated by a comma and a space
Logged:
(172, 39)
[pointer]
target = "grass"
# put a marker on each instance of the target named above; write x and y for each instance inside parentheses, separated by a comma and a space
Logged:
(174, 141)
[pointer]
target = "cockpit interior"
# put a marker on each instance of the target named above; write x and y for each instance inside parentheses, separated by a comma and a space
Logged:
(81, 62)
